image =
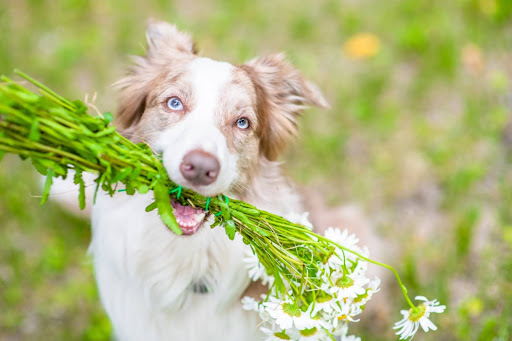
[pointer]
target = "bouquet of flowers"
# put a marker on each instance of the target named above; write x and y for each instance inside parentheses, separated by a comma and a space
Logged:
(317, 284)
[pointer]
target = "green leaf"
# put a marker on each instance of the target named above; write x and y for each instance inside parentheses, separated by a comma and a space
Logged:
(242, 217)
(95, 191)
(143, 189)
(106, 131)
(81, 192)
(108, 117)
(43, 170)
(28, 97)
(164, 207)
(34, 134)
(230, 227)
(130, 189)
(99, 181)
(47, 185)
(151, 207)
(216, 222)
(170, 221)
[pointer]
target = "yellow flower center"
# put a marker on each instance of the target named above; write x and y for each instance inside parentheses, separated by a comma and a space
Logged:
(291, 309)
(308, 332)
(359, 298)
(282, 336)
(323, 299)
(344, 282)
(415, 315)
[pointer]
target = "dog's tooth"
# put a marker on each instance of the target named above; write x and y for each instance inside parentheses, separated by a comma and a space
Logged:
(199, 216)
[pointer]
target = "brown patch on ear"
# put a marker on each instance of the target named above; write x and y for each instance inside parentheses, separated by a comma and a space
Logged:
(166, 47)
(132, 104)
(282, 93)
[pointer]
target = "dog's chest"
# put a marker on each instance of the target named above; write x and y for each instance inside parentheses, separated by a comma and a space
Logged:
(156, 285)
(138, 246)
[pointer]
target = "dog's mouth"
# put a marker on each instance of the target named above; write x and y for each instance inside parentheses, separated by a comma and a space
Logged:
(188, 218)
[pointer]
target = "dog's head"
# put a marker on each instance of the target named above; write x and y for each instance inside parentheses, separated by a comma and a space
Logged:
(213, 121)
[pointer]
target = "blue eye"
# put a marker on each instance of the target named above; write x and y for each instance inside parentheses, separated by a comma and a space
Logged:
(242, 123)
(174, 104)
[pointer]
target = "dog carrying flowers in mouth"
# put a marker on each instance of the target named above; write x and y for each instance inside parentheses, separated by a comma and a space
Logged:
(345, 291)
(317, 284)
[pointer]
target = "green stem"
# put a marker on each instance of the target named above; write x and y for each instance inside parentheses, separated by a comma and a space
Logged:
(389, 267)
(43, 87)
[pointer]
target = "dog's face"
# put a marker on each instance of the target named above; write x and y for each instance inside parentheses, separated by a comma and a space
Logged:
(213, 121)
(201, 115)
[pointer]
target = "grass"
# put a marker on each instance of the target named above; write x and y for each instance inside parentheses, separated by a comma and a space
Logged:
(416, 136)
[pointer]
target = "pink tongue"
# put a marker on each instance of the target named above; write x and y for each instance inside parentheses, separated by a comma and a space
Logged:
(184, 211)
(185, 217)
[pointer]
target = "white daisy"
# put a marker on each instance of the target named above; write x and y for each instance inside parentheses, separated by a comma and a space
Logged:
(287, 314)
(414, 319)
(341, 257)
(346, 289)
(349, 310)
(342, 238)
(327, 304)
(373, 287)
(348, 285)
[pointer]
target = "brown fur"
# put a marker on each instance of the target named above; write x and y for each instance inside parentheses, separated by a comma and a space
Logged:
(282, 94)
(166, 47)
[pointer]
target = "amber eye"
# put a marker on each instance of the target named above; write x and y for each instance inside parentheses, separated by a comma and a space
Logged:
(174, 103)
(242, 123)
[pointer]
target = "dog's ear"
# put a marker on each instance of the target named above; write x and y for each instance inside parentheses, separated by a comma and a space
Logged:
(162, 36)
(166, 46)
(282, 93)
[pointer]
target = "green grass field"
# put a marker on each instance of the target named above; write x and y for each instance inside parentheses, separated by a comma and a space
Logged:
(419, 135)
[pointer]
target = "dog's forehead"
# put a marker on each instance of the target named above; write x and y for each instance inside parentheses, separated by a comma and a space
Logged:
(209, 76)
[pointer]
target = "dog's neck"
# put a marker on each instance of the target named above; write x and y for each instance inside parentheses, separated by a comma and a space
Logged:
(269, 190)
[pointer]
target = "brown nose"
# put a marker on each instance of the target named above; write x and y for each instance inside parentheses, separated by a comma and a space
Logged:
(200, 167)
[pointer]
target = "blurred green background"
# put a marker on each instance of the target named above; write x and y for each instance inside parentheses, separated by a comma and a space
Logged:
(419, 136)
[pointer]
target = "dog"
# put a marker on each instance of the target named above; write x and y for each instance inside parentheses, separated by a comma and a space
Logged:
(220, 129)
